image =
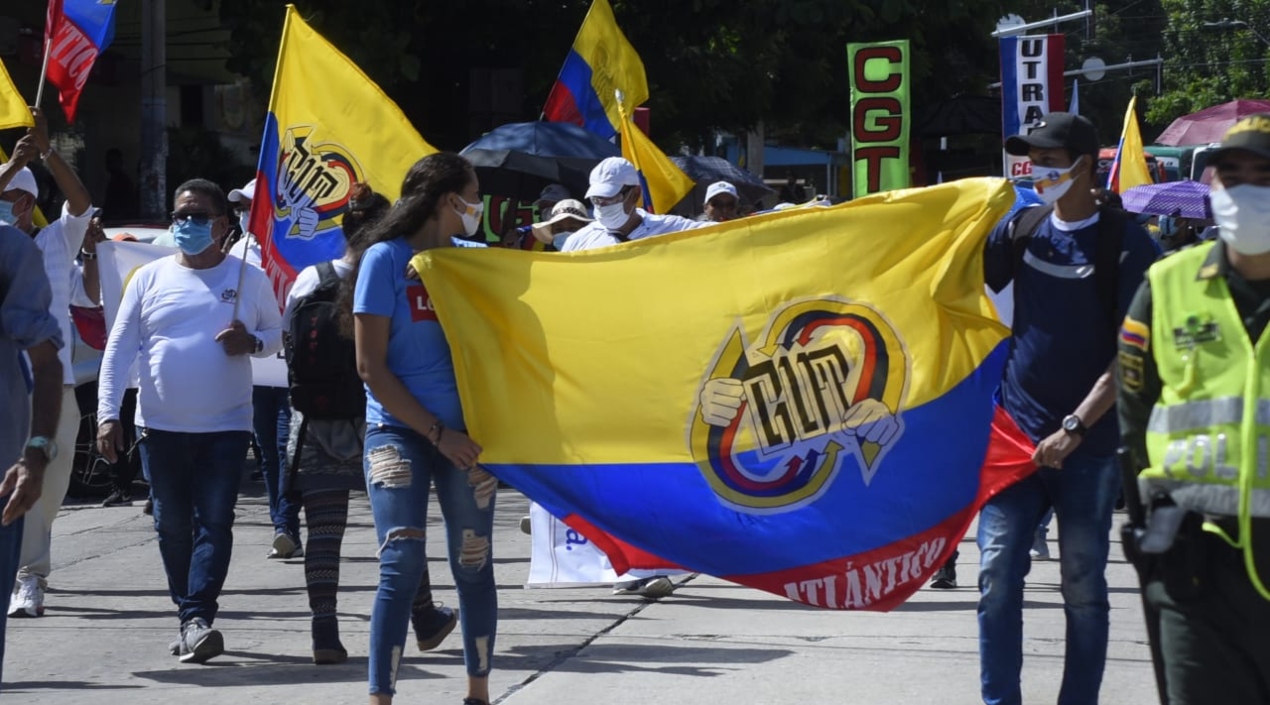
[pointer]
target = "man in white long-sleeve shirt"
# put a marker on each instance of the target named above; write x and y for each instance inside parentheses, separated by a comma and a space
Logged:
(191, 320)
(59, 242)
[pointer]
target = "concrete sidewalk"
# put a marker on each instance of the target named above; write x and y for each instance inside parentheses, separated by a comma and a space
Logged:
(105, 636)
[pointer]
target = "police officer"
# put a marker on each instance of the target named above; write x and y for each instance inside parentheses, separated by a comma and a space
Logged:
(1194, 405)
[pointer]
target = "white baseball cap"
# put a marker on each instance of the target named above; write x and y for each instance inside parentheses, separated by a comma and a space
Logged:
(610, 176)
(245, 193)
(24, 180)
(564, 210)
(719, 187)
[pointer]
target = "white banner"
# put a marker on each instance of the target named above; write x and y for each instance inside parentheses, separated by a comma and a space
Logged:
(117, 261)
(562, 557)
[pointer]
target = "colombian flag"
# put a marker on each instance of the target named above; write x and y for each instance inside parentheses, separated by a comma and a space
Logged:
(601, 62)
(798, 401)
(328, 127)
(664, 183)
(1130, 166)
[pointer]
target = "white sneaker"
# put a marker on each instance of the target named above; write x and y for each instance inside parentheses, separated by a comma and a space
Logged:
(28, 598)
(1040, 551)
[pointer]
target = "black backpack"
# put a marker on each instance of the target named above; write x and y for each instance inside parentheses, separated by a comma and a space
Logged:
(321, 361)
(1111, 227)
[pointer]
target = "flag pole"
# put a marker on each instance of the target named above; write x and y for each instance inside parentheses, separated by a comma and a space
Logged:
(44, 69)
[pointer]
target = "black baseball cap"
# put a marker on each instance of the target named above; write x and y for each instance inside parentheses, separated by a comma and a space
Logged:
(1252, 134)
(1075, 133)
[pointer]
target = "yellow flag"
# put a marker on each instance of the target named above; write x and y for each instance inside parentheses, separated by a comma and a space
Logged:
(329, 127)
(13, 110)
(665, 184)
(1131, 161)
(788, 328)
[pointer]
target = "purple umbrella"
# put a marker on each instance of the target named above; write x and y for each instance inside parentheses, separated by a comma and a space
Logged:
(1210, 124)
(1185, 199)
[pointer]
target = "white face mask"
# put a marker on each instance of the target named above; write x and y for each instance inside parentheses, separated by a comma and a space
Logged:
(1052, 183)
(472, 216)
(1243, 215)
(558, 240)
(613, 216)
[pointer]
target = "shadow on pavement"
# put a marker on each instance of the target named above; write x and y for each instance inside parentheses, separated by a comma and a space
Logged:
(640, 658)
(247, 668)
(28, 686)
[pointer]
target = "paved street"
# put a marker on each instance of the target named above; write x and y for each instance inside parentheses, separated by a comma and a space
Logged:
(109, 621)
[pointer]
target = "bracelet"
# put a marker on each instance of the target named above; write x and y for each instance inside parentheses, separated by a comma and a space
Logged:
(87, 256)
(45, 155)
(439, 428)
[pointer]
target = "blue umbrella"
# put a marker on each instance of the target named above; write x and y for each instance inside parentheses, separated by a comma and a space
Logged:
(707, 170)
(1182, 199)
(519, 159)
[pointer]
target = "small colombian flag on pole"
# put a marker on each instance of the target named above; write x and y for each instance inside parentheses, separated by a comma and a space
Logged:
(1130, 167)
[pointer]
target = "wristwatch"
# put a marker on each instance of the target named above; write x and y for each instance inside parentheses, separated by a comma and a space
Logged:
(45, 445)
(1073, 425)
(86, 255)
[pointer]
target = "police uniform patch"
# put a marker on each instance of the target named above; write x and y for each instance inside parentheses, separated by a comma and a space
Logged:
(1195, 332)
(1135, 334)
(1130, 371)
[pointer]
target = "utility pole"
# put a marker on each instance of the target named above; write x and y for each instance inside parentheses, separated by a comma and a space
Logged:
(154, 135)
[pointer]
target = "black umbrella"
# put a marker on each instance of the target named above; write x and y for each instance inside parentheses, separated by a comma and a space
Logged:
(518, 160)
(707, 170)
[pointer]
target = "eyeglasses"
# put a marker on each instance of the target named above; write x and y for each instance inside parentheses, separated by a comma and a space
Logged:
(199, 218)
(610, 200)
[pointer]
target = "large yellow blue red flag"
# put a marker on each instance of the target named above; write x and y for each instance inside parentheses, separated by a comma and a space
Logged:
(328, 127)
(13, 110)
(798, 401)
(664, 183)
(600, 62)
(1130, 166)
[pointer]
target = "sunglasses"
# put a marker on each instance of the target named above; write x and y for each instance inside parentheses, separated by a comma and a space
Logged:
(610, 200)
(199, 218)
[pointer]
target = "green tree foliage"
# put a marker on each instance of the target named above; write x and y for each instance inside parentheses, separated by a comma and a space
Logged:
(712, 64)
(1207, 66)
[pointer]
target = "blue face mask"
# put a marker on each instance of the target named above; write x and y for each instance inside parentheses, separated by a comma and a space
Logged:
(6, 213)
(191, 237)
(558, 240)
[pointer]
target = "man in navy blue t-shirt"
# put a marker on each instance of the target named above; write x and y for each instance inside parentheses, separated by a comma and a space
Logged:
(1058, 387)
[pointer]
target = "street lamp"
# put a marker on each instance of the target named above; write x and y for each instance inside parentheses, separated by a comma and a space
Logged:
(1229, 25)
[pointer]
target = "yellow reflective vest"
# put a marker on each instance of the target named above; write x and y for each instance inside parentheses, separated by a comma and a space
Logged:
(1208, 438)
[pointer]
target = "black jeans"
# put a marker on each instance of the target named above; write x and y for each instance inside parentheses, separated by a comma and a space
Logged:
(125, 470)
(1213, 623)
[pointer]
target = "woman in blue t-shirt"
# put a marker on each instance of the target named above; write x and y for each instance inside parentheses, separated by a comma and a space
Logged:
(415, 432)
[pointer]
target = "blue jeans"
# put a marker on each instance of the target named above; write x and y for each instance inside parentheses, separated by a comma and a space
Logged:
(194, 483)
(10, 555)
(1083, 494)
(271, 408)
(400, 464)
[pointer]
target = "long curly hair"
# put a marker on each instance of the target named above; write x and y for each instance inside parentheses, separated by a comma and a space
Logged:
(427, 181)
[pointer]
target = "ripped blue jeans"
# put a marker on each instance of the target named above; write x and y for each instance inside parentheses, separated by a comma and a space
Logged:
(400, 465)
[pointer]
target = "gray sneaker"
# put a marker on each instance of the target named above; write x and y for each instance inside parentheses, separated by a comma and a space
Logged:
(285, 546)
(199, 642)
(648, 588)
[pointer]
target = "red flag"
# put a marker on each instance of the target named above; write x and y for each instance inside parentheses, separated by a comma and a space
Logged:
(75, 33)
